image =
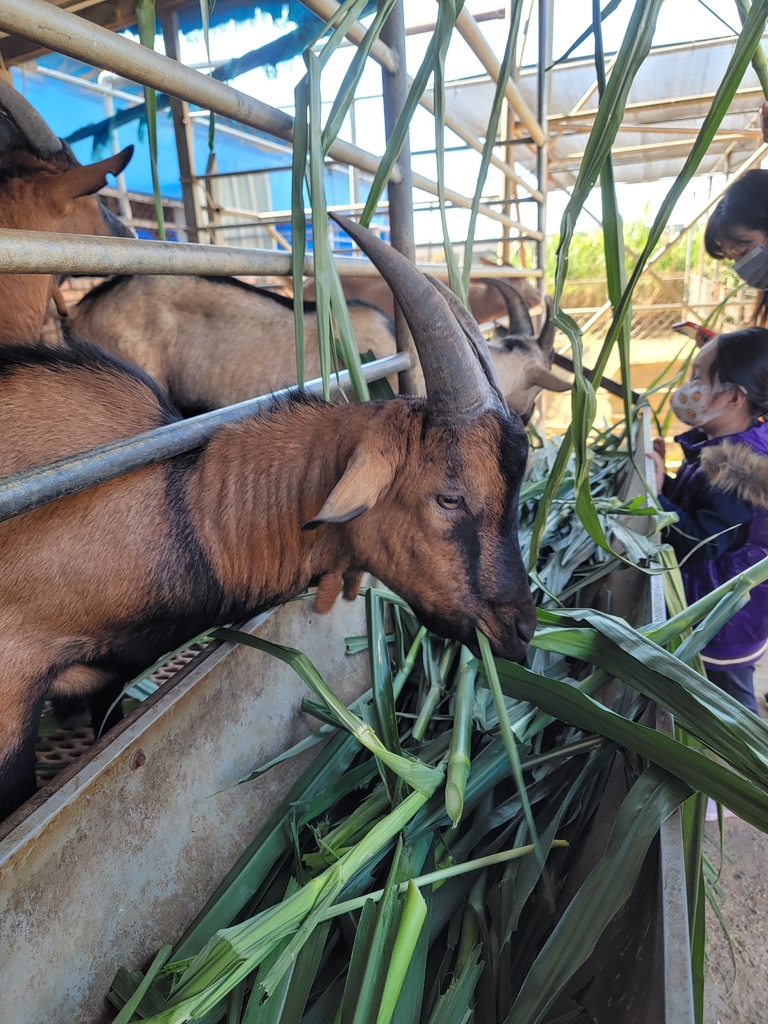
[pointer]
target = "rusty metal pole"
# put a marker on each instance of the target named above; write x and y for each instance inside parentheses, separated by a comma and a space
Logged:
(394, 93)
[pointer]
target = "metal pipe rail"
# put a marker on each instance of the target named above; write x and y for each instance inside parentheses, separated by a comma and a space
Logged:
(39, 486)
(44, 252)
(476, 41)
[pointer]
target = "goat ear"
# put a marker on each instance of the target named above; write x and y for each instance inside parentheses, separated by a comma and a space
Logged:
(366, 476)
(84, 181)
(546, 379)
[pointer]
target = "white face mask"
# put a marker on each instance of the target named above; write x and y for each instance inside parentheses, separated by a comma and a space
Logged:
(753, 267)
(690, 403)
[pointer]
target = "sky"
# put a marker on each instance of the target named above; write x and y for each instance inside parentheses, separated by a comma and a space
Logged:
(678, 20)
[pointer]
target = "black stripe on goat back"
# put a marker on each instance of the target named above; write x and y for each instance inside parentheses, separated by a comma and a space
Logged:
(105, 288)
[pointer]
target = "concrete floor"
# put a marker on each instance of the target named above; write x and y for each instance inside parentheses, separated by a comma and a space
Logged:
(736, 980)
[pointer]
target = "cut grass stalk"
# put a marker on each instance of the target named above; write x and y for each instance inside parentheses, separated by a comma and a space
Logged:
(461, 736)
(415, 773)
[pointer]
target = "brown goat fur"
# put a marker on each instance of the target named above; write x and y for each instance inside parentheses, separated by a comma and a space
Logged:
(94, 587)
(485, 301)
(54, 193)
(215, 341)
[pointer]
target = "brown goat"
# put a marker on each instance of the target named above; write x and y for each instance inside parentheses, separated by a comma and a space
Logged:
(422, 493)
(486, 301)
(44, 188)
(211, 342)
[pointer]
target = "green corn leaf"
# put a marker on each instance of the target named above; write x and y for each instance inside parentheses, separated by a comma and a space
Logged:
(298, 218)
(361, 950)
(461, 736)
(648, 804)
(129, 1008)
(508, 738)
(399, 133)
(699, 771)
(414, 772)
(447, 12)
(381, 671)
(453, 1006)
(346, 93)
(505, 72)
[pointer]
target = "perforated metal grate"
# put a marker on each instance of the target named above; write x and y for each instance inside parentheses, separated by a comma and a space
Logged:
(56, 750)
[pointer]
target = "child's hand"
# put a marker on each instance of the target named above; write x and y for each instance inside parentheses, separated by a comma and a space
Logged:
(656, 457)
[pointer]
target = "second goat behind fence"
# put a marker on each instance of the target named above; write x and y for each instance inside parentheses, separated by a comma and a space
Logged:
(214, 341)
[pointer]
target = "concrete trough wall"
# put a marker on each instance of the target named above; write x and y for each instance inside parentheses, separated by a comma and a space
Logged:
(114, 860)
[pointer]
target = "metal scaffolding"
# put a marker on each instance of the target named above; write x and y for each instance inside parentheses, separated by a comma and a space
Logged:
(35, 26)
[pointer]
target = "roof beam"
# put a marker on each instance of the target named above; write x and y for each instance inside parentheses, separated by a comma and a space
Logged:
(476, 41)
(383, 55)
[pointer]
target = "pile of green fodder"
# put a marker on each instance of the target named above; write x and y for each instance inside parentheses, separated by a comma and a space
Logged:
(415, 872)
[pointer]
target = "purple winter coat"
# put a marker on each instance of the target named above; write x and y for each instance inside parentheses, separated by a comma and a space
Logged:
(723, 486)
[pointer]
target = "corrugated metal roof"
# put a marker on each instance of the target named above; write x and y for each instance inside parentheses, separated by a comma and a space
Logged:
(667, 103)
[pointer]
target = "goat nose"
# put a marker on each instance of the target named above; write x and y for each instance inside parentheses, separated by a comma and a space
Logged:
(526, 625)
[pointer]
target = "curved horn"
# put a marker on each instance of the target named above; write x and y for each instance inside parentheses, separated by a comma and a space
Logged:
(472, 333)
(546, 338)
(517, 310)
(38, 135)
(457, 387)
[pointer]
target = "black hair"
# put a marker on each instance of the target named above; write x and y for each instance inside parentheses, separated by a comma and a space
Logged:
(741, 358)
(744, 205)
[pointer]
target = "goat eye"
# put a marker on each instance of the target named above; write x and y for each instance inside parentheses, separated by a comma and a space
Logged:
(450, 501)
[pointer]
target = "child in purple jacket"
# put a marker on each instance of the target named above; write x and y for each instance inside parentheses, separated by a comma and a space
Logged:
(720, 495)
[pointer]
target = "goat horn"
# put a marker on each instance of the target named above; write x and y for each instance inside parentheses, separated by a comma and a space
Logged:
(517, 310)
(39, 136)
(546, 339)
(457, 387)
(472, 333)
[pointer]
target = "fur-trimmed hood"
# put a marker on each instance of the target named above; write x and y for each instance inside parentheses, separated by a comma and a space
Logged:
(736, 467)
(737, 463)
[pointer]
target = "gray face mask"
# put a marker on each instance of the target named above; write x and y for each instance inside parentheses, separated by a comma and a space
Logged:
(753, 268)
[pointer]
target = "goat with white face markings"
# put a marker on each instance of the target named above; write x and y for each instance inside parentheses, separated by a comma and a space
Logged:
(421, 493)
(43, 187)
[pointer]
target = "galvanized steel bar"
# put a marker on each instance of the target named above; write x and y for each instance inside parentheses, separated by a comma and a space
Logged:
(476, 41)
(44, 252)
(542, 110)
(34, 487)
(394, 88)
(62, 32)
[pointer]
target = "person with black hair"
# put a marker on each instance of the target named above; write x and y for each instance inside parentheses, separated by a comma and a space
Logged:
(720, 495)
(738, 230)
